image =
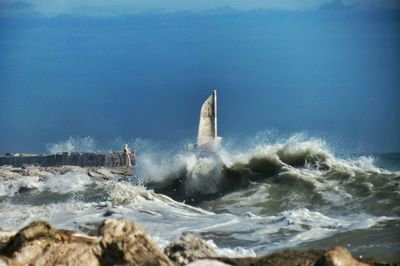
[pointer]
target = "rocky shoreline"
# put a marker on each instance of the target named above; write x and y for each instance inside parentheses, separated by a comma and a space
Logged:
(123, 242)
(95, 172)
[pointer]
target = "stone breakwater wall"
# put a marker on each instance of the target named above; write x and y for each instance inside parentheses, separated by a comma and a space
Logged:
(83, 159)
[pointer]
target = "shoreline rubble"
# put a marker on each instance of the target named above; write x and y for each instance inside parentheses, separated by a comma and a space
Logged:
(95, 172)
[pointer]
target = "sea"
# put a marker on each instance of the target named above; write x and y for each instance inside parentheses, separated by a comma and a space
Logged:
(293, 193)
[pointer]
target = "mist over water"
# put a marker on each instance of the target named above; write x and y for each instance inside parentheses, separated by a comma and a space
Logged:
(268, 194)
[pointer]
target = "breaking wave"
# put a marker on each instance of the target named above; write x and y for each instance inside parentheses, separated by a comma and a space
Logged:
(305, 172)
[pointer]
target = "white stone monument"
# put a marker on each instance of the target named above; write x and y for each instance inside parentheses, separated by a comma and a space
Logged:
(128, 156)
(207, 137)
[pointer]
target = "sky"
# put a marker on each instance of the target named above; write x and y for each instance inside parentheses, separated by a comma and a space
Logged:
(115, 7)
(141, 69)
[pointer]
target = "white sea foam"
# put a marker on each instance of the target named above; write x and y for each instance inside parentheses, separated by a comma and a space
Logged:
(73, 144)
(256, 214)
(11, 186)
(232, 252)
(66, 183)
(165, 219)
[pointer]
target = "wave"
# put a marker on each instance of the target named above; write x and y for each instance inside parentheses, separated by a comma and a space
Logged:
(75, 201)
(298, 172)
(305, 172)
(247, 202)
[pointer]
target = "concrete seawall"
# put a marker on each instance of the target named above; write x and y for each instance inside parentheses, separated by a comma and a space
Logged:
(83, 159)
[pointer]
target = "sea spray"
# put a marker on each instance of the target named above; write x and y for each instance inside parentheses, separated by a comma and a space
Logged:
(288, 193)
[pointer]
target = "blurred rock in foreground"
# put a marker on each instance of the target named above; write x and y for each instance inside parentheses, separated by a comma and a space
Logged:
(189, 248)
(123, 242)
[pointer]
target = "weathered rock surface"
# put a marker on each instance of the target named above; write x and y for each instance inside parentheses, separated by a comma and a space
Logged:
(338, 256)
(188, 248)
(283, 258)
(35, 231)
(40, 244)
(125, 242)
(207, 262)
(97, 173)
(4, 238)
(119, 242)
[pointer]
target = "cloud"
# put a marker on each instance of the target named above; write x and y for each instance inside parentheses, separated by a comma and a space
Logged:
(117, 7)
(372, 4)
(16, 8)
(335, 5)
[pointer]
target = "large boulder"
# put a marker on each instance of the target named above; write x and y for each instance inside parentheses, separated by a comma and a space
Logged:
(338, 256)
(282, 258)
(119, 242)
(188, 248)
(39, 253)
(207, 262)
(35, 231)
(40, 244)
(125, 242)
(4, 238)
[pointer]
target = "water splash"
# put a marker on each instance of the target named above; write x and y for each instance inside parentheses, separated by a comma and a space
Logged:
(73, 144)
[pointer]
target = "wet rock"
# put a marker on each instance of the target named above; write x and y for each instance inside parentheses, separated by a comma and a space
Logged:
(35, 231)
(4, 238)
(108, 213)
(4, 261)
(6, 172)
(207, 262)
(42, 252)
(95, 174)
(282, 258)
(338, 256)
(125, 242)
(40, 244)
(189, 248)
(61, 170)
(36, 171)
(77, 253)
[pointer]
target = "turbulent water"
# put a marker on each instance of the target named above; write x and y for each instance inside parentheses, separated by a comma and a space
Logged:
(294, 193)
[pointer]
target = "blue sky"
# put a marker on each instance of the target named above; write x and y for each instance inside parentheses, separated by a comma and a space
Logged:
(142, 68)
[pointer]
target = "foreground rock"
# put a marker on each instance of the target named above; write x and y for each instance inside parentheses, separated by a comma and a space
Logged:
(40, 244)
(283, 258)
(122, 242)
(118, 243)
(188, 248)
(339, 256)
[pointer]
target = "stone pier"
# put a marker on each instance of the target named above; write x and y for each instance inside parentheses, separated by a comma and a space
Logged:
(82, 159)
